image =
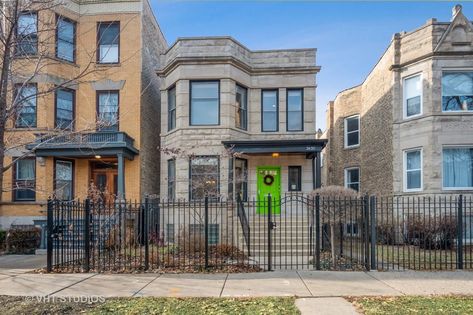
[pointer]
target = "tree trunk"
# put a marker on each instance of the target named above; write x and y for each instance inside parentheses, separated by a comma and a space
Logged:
(332, 245)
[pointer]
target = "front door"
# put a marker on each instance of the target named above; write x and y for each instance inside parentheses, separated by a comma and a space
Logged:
(104, 179)
(269, 182)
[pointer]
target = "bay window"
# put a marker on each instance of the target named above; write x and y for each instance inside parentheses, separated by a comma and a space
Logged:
(241, 115)
(65, 108)
(63, 180)
(171, 108)
(295, 110)
(412, 96)
(108, 42)
(204, 177)
(204, 103)
(24, 186)
(172, 179)
(65, 35)
(269, 110)
(107, 110)
(26, 106)
(413, 170)
(27, 34)
(457, 91)
(458, 168)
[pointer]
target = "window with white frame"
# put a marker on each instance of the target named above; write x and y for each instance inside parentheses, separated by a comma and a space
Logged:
(413, 170)
(412, 96)
(352, 178)
(458, 167)
(352, 131)
(205, 103)
(457, 91)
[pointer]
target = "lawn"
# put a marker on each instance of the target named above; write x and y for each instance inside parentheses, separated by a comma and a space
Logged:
(415, 305)
(165, 306)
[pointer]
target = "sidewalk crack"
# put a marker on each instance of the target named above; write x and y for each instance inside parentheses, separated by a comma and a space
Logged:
(146, 285)
(386, 284)
(73, 284)
(305, 284)
(223, 287)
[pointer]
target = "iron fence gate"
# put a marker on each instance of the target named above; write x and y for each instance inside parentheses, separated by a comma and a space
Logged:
(296, 231)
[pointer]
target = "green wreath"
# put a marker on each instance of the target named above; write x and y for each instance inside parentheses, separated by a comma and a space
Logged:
(268, 180)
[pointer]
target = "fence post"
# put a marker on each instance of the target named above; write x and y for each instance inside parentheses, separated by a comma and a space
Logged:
(206, 232)
(373, 232)
(49, 241)
(87, 235)
(460, 233)
(317, 232)
(270, 227)
(145, 231)
(366, 214)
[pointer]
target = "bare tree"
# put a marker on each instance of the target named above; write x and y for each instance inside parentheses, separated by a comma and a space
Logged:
(28, 50)
(337, 203)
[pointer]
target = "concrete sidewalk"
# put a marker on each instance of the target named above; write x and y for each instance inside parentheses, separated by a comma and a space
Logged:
(290, 283)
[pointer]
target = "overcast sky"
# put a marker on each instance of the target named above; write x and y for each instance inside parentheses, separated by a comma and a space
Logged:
(349, 36)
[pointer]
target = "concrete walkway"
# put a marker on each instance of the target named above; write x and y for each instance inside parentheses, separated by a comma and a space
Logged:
(292, 283)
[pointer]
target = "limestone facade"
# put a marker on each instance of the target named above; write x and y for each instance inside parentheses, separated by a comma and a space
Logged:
(228, 62)
(429, 53)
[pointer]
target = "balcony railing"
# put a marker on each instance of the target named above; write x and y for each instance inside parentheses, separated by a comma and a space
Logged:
(92, 140)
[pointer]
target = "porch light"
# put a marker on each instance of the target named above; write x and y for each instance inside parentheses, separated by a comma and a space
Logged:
(98, 157)
(275, 155)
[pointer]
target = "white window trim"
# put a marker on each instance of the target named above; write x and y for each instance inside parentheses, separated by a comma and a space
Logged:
(404, 169)
(346, 177)
(345, 133)
(453, 146)
(441, 94)
(404, 100)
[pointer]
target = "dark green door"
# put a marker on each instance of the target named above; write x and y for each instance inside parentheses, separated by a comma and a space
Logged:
(269, 182)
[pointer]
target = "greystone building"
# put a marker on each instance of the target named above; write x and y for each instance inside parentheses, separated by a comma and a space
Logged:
(237, 122)
(408, 128)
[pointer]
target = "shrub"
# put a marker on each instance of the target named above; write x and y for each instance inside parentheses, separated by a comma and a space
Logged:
(191, 243)
(3, 236)
(386, 233)
(431, 233)
(227, 251)
(23, 240)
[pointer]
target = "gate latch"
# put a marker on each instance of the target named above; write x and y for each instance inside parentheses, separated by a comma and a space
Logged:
(272, 225)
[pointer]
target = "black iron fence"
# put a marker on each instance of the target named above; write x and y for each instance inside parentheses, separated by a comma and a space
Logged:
(296, 231)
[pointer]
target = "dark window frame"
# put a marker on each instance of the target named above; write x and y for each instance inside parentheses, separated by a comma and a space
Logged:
(172, 126)
(171, 193)
(17, 89)
(74, 43)
(277, 109)
(302, 109)
(17, 53)
(14, 180)
(190, 174)
(72, 178)
(299, 181)
(190, 101)
(346, 177)
(109, 23)
(72, 126)
(245, 110)
(97, 100)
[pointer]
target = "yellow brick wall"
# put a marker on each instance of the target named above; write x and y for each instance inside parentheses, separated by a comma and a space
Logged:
(129, 70)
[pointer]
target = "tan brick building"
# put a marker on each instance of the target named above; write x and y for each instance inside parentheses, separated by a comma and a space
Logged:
(408, 127)
(105, 119)
(236, 121)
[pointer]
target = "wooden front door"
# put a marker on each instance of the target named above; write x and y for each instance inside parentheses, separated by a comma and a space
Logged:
(105, 179)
